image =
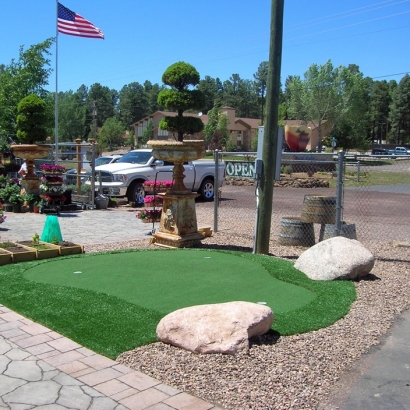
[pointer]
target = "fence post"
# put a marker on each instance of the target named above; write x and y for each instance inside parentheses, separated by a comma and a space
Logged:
(216, 189)
(358, 171)
(339, 193)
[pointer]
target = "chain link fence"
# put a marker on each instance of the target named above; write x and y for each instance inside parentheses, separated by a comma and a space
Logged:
(318, 196)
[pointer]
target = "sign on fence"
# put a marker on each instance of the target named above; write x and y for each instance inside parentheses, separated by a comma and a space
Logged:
(240, 169)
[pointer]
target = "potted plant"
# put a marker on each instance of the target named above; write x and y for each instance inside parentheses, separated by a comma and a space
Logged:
(149, 215)
(16, 200)
(6, 193)
(32, 122)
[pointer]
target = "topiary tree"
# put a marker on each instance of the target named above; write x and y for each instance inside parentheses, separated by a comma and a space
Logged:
(32, 120)
(180, 76)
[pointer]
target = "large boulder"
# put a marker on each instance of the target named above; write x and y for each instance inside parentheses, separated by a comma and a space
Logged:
(336, 258)
(217, 328)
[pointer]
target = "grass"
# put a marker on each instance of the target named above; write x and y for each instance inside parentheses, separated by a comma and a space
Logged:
(117, 301)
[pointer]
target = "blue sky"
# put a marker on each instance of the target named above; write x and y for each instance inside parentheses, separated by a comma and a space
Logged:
(142, 38)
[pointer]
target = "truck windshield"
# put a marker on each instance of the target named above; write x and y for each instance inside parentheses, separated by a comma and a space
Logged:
(136, 157)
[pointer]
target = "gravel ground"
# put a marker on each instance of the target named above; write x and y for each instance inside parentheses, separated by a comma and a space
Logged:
(292, 372)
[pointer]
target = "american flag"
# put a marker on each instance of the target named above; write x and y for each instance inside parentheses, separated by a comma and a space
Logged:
(74, 25)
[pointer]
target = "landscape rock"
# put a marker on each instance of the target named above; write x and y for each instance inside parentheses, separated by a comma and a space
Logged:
(216, 328)
(336, 258)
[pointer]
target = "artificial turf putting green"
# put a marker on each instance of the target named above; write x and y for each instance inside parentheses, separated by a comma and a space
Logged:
(117, 300)
(166, 281)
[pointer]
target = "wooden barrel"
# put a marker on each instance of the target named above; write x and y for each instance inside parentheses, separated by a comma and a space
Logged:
(319, 209)
(295, 232)
(347, 230)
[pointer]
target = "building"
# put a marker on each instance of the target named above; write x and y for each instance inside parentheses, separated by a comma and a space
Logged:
(241, 130)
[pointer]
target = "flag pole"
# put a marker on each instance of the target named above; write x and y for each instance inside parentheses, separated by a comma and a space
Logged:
(56, 94)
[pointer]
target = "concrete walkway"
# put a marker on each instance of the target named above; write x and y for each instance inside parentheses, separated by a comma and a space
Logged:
(42, 369)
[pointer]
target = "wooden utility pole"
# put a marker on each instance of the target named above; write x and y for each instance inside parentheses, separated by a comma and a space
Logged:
(270, 141)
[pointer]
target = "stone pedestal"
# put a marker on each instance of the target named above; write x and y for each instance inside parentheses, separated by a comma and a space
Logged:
(29, 152)
(178, 226)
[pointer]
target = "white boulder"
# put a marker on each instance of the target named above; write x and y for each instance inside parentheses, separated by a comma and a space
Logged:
(336, 258)
(216, 328)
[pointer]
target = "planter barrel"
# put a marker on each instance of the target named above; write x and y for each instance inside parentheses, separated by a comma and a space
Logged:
(295, 232)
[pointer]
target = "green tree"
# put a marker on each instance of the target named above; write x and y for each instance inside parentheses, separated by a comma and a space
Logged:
(111, 133)
(399, 115)
(212, 89)
(133, 104)
(338, 95)
(72, 114)
(26, 75)
(261, 80)
(180, 76)
(151, 93)
(105, 101)
(379, 109)
(32, 120)
(148, 133)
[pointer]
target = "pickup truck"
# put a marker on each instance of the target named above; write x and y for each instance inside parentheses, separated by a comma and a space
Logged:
(399, 151)
(125, 178)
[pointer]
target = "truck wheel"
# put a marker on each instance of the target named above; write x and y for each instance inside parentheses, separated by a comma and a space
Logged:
(136, 193)
(207, 189)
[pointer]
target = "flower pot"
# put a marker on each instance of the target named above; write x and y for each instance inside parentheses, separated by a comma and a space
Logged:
(36, 209)
(8, 207)
(17, 208)
(150, 220)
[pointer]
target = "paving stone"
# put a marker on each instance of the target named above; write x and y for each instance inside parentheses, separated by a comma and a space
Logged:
(17, 406)
(99, 376)
(73, 367)
(50, 375)
(45, 366)
(4, 361)
(8, 326)
(90, 391)
(36, 393)
(12, 333)
(111, 387)
(138, 380)
(160, 406)
(35, 329)
(25, 370)
(167, 389)
(4, 346)
(11, 316)
(8, 384)
(32, 341)
(123, 394)
(144, 399)
(186, 401)
(17, 354)
(103, 403)
(63, 358)
(39, 349)
(74, 397)
(98, 362)
(66, 380)
(63, 344)
(51, 407)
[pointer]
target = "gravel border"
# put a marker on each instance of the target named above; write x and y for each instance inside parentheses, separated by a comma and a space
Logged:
(292, 372)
